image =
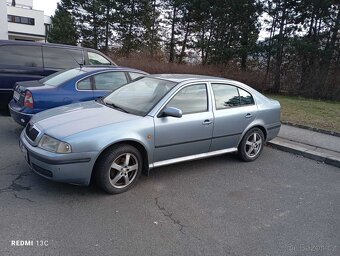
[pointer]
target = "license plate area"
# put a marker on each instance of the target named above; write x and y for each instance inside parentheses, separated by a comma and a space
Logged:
(16, 95)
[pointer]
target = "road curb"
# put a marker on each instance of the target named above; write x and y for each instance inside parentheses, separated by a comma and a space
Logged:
(324, 131)
(311, 152)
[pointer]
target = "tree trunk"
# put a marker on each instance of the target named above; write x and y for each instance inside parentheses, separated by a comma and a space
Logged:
(327, 57)
(152, 46)
(184, 43)
(95, 29)
(244, 53)
(107, 31)
(270, 45)
(279, 55)
(172, 40)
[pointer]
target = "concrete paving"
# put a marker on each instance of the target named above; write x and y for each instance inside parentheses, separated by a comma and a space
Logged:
(317, 146)
(312, 138)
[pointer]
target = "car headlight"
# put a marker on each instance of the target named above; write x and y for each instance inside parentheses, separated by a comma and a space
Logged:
(51, 144)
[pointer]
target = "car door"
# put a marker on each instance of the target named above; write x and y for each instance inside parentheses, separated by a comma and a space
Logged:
(189, 135)
(234, 109)
(106, 82)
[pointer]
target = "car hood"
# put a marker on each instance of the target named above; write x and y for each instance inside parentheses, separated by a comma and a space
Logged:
(71, 119)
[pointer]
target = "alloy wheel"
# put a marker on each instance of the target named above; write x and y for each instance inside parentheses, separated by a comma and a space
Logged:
(123, 170)
(253, 145)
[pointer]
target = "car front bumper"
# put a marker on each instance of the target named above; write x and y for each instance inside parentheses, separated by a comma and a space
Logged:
(74, 168)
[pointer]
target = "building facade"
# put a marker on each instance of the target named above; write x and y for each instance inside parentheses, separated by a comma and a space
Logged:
(19, 21)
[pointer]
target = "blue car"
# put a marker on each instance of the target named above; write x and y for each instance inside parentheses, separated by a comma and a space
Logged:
(27, 61)
(66, 87)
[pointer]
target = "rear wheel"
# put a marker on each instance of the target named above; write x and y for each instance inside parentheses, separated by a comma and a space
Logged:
(251, 145)
(118, 169)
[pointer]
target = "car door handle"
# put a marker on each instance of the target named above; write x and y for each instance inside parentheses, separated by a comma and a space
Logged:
(207, 122)
(249, 115)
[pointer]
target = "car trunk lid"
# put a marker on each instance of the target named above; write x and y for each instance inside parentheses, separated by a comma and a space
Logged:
(20, 89)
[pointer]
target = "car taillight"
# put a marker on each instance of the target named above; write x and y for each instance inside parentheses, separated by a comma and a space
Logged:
(28, 102)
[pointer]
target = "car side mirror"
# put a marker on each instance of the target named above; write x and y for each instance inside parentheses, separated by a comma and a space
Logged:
(171, 111)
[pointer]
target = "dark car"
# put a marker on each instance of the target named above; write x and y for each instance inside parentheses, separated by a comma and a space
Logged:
(65, 87)
(25, 61)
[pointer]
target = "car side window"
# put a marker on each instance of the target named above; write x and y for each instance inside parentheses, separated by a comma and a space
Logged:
(226, 96)
(109, 80)
(21, 55)
(191, 99)
(135, 75)
(64, 58)
(84, 84)
(97, 59)
(245, 97)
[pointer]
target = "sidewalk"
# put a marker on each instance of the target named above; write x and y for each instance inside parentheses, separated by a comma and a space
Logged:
(310, 144)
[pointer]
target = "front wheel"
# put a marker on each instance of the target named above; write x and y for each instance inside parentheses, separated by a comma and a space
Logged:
(118, 169)
(251, 145)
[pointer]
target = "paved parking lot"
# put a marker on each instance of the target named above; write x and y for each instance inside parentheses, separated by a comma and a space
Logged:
(279, 205)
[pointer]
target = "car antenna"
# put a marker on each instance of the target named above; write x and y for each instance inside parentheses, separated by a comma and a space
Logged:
(80, 64)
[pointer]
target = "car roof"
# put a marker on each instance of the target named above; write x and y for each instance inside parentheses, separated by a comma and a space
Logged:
(97, 68)
(178, 78)
(17, 42)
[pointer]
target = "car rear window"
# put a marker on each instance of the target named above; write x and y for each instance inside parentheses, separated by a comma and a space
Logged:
(21, 55)
(245, 97)
(62, 77)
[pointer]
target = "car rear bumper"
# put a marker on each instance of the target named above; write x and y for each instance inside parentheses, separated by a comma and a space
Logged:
(74, 168)
(19, 117)
(273, 131)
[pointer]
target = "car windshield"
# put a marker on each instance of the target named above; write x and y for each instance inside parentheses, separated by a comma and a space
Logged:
(61, 77)
(139, 96)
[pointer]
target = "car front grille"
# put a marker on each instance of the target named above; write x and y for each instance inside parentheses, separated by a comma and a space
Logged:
(31, 132)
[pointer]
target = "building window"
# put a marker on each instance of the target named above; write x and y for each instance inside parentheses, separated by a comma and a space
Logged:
(21, 20)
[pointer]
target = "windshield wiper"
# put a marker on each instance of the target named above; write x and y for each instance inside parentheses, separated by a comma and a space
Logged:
(116, 107)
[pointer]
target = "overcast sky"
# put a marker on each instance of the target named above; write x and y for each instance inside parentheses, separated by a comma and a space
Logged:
(48, 6)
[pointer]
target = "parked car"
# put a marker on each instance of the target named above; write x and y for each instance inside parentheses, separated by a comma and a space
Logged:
(25, 61)
(66, 87)
(153, 121)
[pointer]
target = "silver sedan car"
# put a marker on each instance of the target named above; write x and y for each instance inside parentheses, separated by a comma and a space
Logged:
(153, 121)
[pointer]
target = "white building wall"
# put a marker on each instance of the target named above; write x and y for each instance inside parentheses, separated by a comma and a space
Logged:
(17, 31)
(3, 21)
(38, 16)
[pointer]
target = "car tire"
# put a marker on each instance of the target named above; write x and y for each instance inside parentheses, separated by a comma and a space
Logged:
(118, 169)
(251, 145)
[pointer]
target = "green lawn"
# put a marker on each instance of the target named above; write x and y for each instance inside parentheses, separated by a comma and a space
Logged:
(314, 113)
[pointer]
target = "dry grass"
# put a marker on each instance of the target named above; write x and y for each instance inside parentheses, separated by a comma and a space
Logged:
(315, 113)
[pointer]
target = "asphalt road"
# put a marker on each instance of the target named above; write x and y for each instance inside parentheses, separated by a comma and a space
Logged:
(280, 204)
